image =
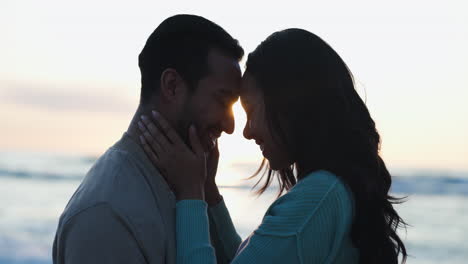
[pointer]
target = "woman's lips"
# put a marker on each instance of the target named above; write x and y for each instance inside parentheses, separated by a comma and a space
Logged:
(261, 144)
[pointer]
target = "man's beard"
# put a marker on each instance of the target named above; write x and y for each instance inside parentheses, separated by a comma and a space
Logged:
(183, 124)
(182, 127)
(185, 120)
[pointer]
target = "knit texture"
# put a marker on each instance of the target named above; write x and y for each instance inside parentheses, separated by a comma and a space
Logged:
(309, 224)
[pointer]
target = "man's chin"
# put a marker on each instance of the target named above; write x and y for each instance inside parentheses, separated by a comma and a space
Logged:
(207, 146)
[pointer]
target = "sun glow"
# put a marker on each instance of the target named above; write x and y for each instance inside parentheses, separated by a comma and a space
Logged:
(69, 80)
(239, 157)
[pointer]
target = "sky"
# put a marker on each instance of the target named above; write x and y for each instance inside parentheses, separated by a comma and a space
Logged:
(69, 78)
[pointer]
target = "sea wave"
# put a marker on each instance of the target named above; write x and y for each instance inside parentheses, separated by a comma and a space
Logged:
(433, 185)
(73, 168)
(40, 175)
(409, 185)
(421, 184)
(44, 166)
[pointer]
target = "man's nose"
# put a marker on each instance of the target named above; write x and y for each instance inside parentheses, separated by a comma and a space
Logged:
(229, 124)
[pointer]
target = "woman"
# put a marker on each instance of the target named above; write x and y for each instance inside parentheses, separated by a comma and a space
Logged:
(322, 145)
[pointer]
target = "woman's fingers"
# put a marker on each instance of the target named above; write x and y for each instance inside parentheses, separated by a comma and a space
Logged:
(153, 157)
(156, 133)
(195, 141)
(152, 140)
(167, 128)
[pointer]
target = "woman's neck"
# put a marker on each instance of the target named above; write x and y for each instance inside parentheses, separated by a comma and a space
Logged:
(305, 167)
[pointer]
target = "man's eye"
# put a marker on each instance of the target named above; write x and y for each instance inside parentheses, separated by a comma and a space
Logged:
(224, 102)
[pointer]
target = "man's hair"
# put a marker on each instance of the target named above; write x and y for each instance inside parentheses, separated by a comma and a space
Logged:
(182, 42)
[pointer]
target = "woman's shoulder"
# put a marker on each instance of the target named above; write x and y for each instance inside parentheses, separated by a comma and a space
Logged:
(313, 189)
(316, 193)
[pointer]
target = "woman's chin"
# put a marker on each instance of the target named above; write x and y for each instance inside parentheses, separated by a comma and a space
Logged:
(274, 165)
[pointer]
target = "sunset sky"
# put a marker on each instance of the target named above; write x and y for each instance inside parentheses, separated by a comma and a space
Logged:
(69, 79)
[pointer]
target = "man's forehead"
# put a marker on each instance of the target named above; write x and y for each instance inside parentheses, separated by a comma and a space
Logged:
(220, 62)
(232, 92)
(228, 85)
(220, 85)
(225, 74)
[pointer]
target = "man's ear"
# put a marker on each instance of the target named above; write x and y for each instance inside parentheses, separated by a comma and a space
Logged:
(172, 85)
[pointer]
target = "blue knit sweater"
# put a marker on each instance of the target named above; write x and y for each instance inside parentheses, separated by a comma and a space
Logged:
(311, 223)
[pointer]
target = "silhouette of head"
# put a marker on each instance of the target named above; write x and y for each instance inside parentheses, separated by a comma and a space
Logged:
(304, 111)
(190, 73)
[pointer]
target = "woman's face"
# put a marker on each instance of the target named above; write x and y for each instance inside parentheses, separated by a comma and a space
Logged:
(256, 127)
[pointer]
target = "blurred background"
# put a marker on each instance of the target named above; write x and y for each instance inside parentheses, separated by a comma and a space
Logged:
(69, 85)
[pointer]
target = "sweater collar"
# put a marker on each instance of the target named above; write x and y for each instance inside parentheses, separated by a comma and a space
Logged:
(136, 152)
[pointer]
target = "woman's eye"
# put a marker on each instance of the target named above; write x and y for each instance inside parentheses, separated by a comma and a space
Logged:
(249, 123)
(224, 103)
(249, 112)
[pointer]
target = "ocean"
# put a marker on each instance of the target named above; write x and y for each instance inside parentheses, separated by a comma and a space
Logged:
(35, 187)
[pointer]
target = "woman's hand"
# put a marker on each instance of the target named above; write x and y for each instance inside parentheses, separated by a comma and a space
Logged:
(212, 195)
(184, 169)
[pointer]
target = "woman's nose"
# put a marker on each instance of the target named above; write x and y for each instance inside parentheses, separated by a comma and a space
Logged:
(248, 130)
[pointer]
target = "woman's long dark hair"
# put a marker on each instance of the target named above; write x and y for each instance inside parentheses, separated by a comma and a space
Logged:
(318, 118)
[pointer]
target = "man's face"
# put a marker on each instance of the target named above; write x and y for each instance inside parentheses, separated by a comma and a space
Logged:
(210, 105)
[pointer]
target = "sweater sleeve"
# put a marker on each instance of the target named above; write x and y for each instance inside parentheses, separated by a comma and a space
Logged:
(192, 233)
(97, 235)
(193, 242)
(224, 237)
(306, 225)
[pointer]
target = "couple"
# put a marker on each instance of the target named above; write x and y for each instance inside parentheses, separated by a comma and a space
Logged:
(152, 197)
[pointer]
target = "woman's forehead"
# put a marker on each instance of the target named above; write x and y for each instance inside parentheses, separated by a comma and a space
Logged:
(249, 87)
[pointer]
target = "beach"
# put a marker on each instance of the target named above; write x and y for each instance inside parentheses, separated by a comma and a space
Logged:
(35, 187)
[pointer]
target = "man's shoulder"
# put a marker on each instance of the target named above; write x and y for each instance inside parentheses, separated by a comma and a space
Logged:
(113, 160)
(93, 233)
(117, 200)
(114, 180)
(113, 170)
(92, 215)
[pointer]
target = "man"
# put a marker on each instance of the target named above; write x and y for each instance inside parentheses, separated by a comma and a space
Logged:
(124, 211)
